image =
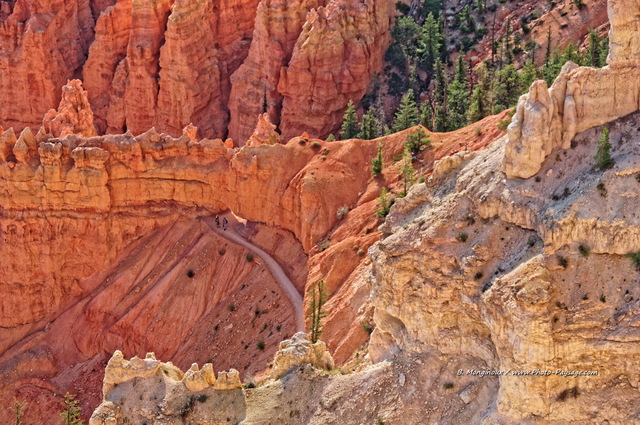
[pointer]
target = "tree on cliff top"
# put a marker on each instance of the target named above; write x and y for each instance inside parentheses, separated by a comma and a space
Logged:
(71, 415)
(349, 123)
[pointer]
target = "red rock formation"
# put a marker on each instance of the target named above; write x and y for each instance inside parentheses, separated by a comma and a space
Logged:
(74, 115)
(166, 64)
(265, 133)
(43, 43)
(340, 47)
(278, 26)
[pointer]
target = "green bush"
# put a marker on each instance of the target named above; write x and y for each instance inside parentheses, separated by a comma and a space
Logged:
(260, 345)
(584, 251)
(462, 237)
(249, 257)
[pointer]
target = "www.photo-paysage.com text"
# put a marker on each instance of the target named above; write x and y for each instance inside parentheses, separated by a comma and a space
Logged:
(533, 372)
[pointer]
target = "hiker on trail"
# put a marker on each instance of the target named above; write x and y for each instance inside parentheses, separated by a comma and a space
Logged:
(217, 221)
(224, 223)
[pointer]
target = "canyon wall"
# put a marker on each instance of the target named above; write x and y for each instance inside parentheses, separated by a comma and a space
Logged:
(580, 98)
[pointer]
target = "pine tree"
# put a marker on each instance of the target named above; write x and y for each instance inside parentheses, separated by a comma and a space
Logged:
(508, 47)
(426, 115)
(458, 98)
(603, 158)
(440, 95)
(507, 89)
(407, 171)
(18, 410)
(318, 299)
(349, 123)
(376, 163)
(407, 113)
(431, 42)
(71, 415)
(385, 202)
(416, 141)
(595, 53)
(368, 126)
(530, 73)
(479, 107)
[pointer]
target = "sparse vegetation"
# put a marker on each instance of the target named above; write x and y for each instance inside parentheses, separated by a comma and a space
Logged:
(316, 145)
(603, 299)
(368, 327)
(249, 257)
(72, 412)
(478, 276)
(602, 190)
(376, 163)
(191, 274)
(569, 392)
(361, 252)
(330, 138)
(417, 141)
(222, 251)
(462, 237)
(342, 211)
(503, 124)
(17, 410)
(324, 246)
(385, 202)
(447, 385)
(563, 262)
(316, 305)
(407, 171)
(260, 345)
(378, 420)
(603, 158)
(635, 257)
(232, 307)
(584, 250)
(532, 241)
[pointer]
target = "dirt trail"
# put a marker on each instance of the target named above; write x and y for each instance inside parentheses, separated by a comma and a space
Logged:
(276, 270)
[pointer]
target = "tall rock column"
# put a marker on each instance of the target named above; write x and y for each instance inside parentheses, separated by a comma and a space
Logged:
(340, 47)
(278, 26)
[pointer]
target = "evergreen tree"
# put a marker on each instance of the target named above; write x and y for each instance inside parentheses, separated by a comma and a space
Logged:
(71, 415)
(603, 158)
(376, 163)
(407, 114)
(416, 141)
(595, 51)
(530, 73)
(368, 126)
(508, 47)
(458, 98)
(407, 171)
(480, 107)
(426, 115)
(385, 202)
(381, 119)
(349, 123)
(441, 112)
(318, 299)
(547, 55)
(432, 39)
(507, 88)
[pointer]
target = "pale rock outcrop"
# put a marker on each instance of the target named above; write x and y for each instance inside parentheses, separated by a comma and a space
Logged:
(264, 134)
(298, 351)
(228, 380)
(580, 98)
(74, 115)
(198, 380)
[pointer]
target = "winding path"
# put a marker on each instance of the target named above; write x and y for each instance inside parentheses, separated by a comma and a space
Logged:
(278, 273)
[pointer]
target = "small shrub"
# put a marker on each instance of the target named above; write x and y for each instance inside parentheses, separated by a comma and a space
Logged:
(537, 179)
(462, 237)
(324, 246)
(368, 328)
(385, 202)
(635, 257)
(342, 211)
(585, 297)
(584, 251)
(603, 299)
(602, 190)
(570, 392)
(260, 345)
(278, 327)
(478, 276)
(202, 398)
(315, 145)
(447, 385)
(302, 142)
(330, 138)
(379, 421)
(477, 131)
(232, 307)
(532, 241)
(361, 252)
(191, 274)
(563, 262)
(503, 124)
(222, 251)
(249, 257)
